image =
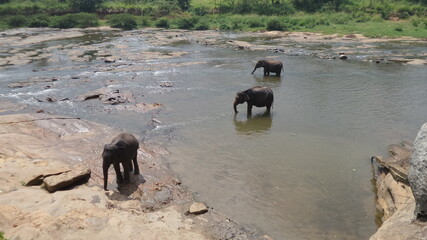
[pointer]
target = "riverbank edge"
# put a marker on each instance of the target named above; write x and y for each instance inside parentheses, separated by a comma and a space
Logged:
(157, 207)
(394, 197)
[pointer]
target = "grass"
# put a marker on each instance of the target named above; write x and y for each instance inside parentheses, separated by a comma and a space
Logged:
(367, 17)
(374, 29)
(2, 236)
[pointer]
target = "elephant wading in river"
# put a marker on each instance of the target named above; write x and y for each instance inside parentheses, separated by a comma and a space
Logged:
(256, 96)
(122, 149)
(269, 66)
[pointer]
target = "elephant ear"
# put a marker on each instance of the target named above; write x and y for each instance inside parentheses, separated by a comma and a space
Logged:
(246, 97)
(121, 144)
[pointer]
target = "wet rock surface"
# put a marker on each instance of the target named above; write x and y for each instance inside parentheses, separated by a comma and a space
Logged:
(114, 55)
(395, 198)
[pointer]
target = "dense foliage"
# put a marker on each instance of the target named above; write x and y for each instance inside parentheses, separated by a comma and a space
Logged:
(370, 17)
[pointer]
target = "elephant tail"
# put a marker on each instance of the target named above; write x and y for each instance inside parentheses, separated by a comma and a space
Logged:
(283, 69)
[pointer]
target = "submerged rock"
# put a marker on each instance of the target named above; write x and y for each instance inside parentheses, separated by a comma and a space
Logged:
(108, 96)
(32, 81)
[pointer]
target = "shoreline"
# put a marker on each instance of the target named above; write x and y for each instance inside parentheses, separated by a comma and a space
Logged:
(154, 205)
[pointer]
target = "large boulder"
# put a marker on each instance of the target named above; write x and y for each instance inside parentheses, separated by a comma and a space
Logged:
(418, 173)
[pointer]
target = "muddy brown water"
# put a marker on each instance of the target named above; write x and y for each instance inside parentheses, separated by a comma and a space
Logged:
(302, 172)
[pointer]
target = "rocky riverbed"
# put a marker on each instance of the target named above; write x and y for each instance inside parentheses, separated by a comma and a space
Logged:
(155, 205)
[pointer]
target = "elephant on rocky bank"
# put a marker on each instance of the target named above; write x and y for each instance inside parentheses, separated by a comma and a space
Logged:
(122, 149)
(269, 66)
(255, 96)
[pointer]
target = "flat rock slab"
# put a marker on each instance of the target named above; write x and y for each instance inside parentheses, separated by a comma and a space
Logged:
(37, 179)
(71, 178)
(198, 208)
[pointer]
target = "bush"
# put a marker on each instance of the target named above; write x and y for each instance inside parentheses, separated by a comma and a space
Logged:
(77, 20)
(144, 22)
(162, 23)
(224, 26)
(17, 21)
(85, 20)
(184, 4)
(202, 26)
(84, 5)
(274, 25)
(123, 21)
(186, 23)
(41, 20)
(200, 11)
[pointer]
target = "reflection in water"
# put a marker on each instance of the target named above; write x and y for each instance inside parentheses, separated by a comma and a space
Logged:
(257, 124)
(268, 81)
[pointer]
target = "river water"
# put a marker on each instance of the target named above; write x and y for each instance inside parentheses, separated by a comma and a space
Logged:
(302, 172)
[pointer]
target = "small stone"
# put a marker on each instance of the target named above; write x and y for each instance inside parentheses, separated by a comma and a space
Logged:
(266, 237)
(198, 208)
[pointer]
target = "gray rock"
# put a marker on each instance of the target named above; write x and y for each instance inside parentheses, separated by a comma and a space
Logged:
(418, 172)
(32, 81)
(198, 208)
(68, 179)
(343, 56)
(108, 96)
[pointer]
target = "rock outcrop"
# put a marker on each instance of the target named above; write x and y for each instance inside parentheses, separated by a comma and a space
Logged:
(418, 173)
(395, 200)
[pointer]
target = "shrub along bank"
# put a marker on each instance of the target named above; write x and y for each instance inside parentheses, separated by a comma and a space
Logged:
(369, 17)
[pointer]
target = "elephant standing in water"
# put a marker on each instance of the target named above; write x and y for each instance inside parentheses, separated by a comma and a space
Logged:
(122, 149)
(269, 66)
(256, 96)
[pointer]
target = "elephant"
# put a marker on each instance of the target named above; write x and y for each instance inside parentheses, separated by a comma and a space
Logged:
(255, 96)
(269, 66)
(122, 149)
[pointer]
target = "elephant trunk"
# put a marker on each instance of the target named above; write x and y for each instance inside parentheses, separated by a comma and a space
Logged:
(253, 70)
(105, 168)
(235, 106)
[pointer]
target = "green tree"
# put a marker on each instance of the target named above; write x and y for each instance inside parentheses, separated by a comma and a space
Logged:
(88, 6)
(316, 5)
(184, 4)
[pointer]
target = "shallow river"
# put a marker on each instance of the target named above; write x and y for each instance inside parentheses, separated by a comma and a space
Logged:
(302, 172)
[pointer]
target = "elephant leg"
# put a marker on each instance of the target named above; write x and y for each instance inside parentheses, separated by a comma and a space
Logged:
(268, 107)
(131, 166)
(249, 112)
(265, 72)
(126, 167)
(119, 177)
(135, 164)
(278, 73)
